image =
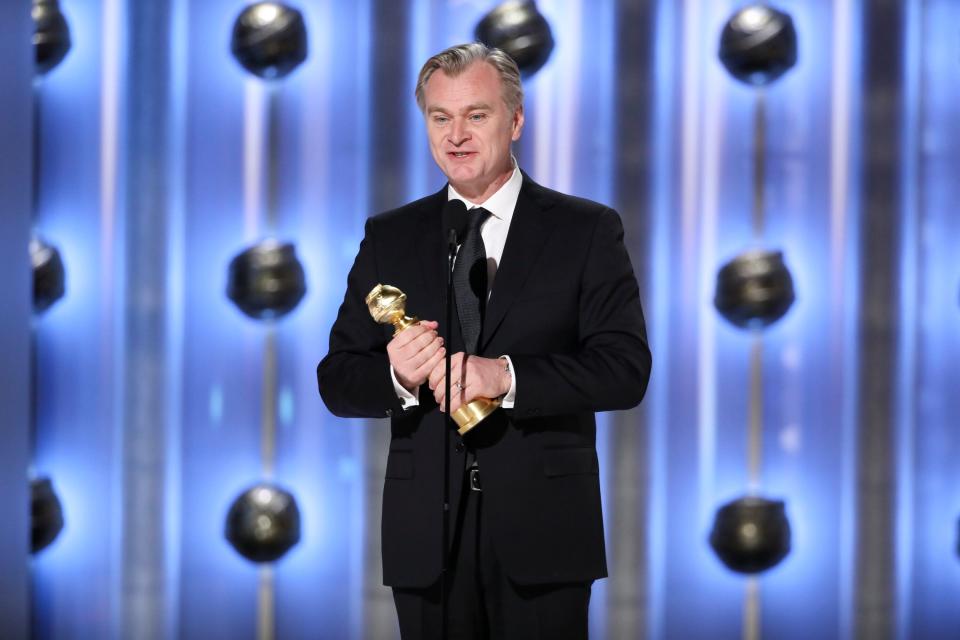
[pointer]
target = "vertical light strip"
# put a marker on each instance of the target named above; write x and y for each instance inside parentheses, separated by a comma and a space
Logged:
(315, 162)
(110, 357)
(759, 163)
(175, 308)
(605, 77)
(689, 196)
(912, 129)
(842, 323)
(362, 581)
(266, 604)
(254, 147)
(751, 613)
(364, 61)
(662, 208)
(751, 609)
(268, 403)
(568, 85)
(755, 420)
(709, 151)
(545, 132)
(419, 43)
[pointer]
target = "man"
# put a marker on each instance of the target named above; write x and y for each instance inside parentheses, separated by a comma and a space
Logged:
(562, 337)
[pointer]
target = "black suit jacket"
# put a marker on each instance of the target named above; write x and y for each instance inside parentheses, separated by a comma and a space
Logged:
(565, 307)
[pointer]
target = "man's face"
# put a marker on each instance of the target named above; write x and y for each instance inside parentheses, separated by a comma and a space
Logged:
(470, 129)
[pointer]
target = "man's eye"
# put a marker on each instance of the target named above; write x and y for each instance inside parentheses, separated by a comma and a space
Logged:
(477, 117)
(440, 119)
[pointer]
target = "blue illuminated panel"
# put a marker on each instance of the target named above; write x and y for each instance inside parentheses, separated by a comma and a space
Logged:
(933, 418)
(326, 190)
(703, 202)
(321, 206)
(77, 353)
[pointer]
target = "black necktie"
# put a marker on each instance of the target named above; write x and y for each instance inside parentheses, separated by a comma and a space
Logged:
(470, 280)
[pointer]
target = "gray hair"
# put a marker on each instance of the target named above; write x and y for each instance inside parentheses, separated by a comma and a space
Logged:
(455, 60)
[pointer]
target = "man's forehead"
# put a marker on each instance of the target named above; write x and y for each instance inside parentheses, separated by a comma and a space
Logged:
(477, 67)
(467, 91)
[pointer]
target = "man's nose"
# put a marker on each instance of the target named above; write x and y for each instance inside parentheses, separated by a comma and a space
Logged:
(459, 133)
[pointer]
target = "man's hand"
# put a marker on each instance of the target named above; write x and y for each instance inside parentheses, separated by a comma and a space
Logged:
(471, 377)
(414, 353)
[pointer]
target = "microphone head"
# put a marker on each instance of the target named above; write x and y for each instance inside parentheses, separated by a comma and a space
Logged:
(455, 217)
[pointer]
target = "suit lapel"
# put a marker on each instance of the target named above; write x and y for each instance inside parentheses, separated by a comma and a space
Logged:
(432, 252)
(525, 239)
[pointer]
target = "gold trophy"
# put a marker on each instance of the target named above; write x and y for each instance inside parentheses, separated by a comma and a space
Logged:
(387, 305)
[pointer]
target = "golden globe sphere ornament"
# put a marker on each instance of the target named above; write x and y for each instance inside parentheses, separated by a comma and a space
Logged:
(387, 305)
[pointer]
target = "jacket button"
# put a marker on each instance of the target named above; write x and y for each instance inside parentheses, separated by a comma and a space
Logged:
(460, 447)
(389, 412)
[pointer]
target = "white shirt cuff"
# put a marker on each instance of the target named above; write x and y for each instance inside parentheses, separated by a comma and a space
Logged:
(511, 397)
(407, 399)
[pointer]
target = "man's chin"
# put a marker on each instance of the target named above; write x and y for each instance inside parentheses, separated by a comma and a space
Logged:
(461, 179)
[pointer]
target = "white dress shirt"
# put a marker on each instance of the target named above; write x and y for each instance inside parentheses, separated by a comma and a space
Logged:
(494, 233)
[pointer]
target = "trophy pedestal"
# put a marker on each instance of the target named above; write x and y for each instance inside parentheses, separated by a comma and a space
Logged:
(469, 415)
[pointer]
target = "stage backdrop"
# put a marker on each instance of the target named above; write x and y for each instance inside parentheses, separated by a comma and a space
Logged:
(158, 401)
(15, 318)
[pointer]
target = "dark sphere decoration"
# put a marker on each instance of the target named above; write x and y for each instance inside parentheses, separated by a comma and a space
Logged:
(754, 290)
(751, 535)
(758, 44)
(269, 39)
(49, 276)
(263, 523)
(266, 281)
(51, 34)
(46, 515)
(519, 29)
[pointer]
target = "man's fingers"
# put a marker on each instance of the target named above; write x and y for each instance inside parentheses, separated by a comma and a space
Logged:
(425, 353)
(427, 367)
(423, 341)
(436, 376)
(405, 337)
(414, 332)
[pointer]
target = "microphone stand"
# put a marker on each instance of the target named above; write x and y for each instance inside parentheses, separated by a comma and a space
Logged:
(447, 426)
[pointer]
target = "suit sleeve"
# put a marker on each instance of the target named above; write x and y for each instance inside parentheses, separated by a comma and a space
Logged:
(354, 377)
(611, 367)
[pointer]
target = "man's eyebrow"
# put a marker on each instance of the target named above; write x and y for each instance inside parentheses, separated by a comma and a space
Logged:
(477, 106)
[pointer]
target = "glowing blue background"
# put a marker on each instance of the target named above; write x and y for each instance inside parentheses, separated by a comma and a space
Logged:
(697, 208)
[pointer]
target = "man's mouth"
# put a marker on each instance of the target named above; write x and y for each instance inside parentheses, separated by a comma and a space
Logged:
(460, 154)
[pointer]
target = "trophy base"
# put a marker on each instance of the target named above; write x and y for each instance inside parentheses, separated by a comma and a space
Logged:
(469, 415)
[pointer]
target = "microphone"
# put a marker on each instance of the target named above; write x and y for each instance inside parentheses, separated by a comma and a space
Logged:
(454, 222)
(455, 226)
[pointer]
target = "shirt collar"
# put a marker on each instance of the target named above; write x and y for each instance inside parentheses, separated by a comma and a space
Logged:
(502, 203)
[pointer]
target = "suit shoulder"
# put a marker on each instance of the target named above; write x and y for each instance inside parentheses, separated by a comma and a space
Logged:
(575, 206)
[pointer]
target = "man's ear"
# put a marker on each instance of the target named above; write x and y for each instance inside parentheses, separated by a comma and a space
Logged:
(517, 123)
